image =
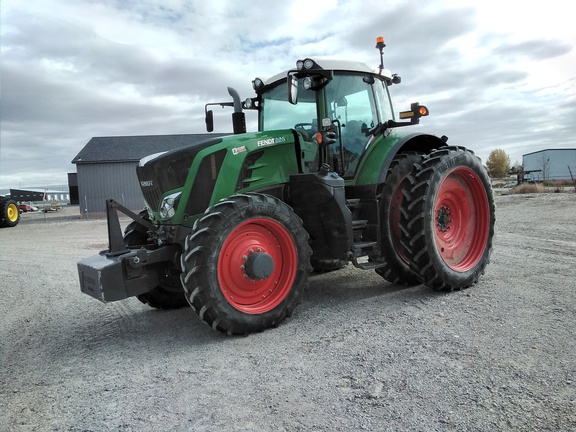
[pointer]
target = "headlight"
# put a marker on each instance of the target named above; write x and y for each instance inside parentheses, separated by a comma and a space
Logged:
(257, 84)
(169, 205)
(308, 83)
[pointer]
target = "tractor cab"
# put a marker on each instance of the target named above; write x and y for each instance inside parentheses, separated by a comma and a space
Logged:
(337, 105)
(340, 106)
(337, 108)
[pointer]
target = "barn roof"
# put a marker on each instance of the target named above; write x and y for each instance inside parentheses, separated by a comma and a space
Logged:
(134, 148)
(550, 150)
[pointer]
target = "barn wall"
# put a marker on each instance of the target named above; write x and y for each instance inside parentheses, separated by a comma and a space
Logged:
(553, 162)
(99, 181)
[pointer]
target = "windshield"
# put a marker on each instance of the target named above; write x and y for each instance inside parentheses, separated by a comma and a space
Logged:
(356, 103)
(277, 113)
(359, 103)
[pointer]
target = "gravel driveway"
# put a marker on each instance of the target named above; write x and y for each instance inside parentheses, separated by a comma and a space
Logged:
(358, 354)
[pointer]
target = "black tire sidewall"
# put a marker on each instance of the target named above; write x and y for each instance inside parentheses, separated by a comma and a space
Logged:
(397, 270)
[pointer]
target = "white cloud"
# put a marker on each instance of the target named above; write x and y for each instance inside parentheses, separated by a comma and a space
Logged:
(494, 74)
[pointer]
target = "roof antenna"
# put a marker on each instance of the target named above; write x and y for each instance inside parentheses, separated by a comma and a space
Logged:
(380, 45)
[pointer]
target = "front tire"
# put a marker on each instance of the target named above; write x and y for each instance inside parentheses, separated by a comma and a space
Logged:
(448, 219)
(246, 263)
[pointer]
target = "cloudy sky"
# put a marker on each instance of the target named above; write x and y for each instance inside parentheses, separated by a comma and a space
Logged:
(494, 74)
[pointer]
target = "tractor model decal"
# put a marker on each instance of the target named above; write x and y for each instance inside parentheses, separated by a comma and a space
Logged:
(271, 141)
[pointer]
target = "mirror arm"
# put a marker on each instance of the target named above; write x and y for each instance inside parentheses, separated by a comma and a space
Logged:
(393, 123)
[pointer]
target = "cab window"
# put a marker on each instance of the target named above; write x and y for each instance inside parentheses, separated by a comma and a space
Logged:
(351, 101)
(277, 113)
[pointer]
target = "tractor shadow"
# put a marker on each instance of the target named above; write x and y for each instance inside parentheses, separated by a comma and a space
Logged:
(351, 285)
(348, 299)
(129, 325)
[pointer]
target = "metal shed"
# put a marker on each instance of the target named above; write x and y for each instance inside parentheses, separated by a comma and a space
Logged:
(39, 195)
(106, 168)
(548, 165)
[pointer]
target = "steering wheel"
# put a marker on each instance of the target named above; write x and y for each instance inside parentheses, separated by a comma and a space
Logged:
(306, 132)
(301, 125)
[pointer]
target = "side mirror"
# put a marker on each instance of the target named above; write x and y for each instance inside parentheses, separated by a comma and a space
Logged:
(209, 121)
(292, 89)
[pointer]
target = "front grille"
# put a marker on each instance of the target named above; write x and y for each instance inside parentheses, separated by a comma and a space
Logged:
(152, 196)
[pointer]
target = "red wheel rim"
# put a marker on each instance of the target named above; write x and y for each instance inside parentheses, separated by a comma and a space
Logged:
(461, 219)
(256, 296)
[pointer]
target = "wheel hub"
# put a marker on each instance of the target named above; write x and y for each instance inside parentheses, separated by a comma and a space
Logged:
(258, 265)
(443, 219)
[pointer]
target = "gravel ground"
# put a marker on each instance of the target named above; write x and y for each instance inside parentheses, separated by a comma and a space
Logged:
(358, 354)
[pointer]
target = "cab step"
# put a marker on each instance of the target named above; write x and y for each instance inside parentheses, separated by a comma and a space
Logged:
(353, 203)
(359, 224)
(361, 247)
(364, 264)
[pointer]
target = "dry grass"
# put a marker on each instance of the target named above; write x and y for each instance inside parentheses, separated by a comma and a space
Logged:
(549, 187)
(527, 188)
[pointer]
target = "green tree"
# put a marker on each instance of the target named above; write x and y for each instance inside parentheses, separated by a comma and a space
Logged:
(498, 163)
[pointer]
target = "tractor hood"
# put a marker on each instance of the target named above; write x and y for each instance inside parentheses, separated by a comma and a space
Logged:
(220, 166)
(162, 172)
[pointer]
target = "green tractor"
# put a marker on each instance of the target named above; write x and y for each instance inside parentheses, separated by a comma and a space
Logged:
(234, 225)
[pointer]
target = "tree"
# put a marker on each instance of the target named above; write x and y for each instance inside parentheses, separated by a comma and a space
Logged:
(498, 163)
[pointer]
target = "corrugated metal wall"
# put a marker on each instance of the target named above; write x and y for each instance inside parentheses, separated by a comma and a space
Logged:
(552, 164)
(100, 181)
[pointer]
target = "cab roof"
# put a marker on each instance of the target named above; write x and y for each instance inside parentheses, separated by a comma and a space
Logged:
(335, 65)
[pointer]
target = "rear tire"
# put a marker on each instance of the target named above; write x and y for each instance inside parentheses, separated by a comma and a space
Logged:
(448, 219)
(9, 213)
(169, 293)
(246, 263)
(396, 267)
